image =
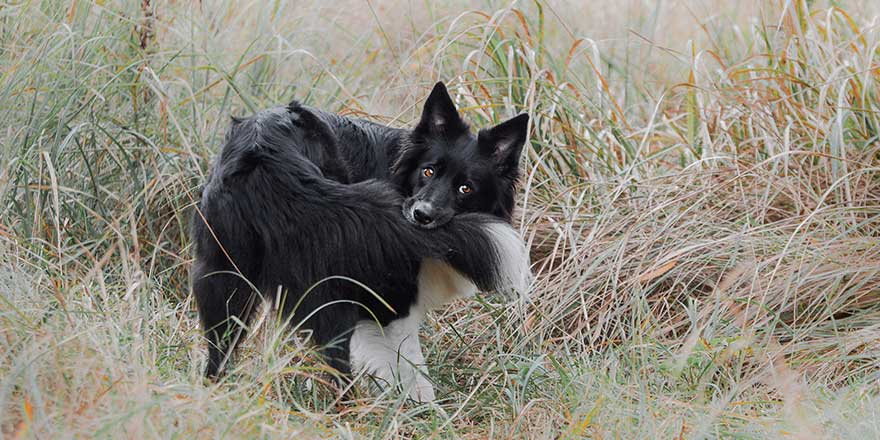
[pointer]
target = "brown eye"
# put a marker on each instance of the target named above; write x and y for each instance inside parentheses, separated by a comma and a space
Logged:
(465, 189)
(428, 172)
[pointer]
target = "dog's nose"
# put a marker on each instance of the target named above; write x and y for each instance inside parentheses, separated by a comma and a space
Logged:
(422, 216)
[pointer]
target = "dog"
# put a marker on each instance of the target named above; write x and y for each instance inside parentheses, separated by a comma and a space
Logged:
(300, 203)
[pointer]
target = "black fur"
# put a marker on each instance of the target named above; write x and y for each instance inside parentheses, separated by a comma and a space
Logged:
(487, 163)
(276, 212)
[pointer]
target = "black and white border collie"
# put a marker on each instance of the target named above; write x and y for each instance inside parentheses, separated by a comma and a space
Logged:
(301, 202)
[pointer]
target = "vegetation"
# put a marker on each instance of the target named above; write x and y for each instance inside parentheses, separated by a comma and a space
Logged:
(702, 203)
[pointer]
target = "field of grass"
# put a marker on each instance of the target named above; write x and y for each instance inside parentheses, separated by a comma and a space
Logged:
(702, 202)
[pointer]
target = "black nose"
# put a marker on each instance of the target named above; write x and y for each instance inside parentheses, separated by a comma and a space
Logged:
(422, 216)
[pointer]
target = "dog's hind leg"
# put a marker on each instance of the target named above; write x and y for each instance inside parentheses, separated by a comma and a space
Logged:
(331, 331)
(226, 302)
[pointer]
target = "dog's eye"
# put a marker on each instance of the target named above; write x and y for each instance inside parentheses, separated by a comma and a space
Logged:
(465, 189)
(428, 171)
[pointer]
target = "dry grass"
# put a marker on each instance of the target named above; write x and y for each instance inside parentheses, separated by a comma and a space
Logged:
(702, 204)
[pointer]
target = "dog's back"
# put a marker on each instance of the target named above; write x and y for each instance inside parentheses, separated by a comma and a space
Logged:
(369, 149)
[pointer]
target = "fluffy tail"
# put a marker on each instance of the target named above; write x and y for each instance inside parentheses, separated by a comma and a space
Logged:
(484, 249)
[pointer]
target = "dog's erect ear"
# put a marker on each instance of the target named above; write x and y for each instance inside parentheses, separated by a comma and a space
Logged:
(504, 142)
(439, 115)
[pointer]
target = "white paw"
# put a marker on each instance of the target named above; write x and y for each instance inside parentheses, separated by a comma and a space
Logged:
(422, 391)
(392, 357)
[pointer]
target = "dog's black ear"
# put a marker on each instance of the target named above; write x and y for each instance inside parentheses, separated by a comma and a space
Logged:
(504, 142)
(439, 115)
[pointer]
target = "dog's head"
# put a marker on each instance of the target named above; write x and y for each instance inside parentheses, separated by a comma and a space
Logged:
(445, 170)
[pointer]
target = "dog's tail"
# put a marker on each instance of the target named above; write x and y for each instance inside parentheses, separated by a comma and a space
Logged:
(484, 249)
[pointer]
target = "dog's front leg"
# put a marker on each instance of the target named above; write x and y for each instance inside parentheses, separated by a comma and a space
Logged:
(392, 355)
(413, 371)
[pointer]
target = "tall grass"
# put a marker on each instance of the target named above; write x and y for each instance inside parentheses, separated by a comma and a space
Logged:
(702, 203)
